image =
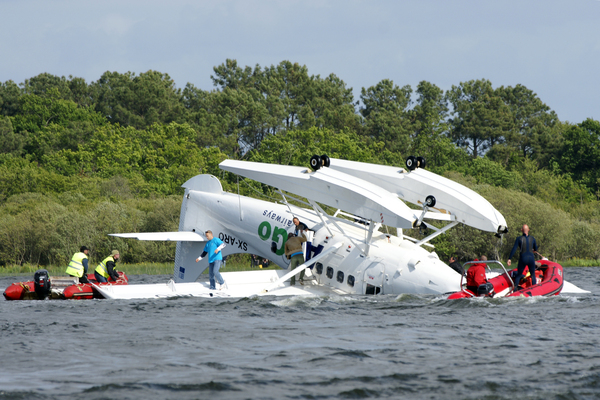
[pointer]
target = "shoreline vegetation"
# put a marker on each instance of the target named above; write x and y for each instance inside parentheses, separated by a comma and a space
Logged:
(129, 269)
(167, 268)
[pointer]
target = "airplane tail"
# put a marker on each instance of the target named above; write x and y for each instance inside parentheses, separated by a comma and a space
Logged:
(186, 269)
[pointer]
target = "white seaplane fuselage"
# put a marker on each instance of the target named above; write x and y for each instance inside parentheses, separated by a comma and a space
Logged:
(247, 225)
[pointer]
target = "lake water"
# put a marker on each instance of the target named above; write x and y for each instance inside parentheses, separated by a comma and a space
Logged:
(333, 347)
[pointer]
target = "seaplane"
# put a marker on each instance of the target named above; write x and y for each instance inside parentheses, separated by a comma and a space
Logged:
(348, 251)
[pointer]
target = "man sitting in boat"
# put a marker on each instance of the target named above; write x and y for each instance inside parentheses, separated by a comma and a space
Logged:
(476, 276)
(78, 266)
(106, 269)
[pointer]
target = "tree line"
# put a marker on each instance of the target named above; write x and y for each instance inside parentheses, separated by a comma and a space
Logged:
(79, 160)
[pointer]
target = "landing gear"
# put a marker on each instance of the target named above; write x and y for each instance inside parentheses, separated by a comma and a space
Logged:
(430, 201)
(413, 162)
(317, 162)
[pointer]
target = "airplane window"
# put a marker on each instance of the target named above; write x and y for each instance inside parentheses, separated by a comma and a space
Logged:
(340, 276)
(329, 272)
(319, 268)
(350, 281)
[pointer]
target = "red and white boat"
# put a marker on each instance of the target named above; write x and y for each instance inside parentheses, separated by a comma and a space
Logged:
(63, 287)
(549, 276)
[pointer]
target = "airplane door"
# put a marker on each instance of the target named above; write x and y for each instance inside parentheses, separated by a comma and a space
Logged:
(373, 278)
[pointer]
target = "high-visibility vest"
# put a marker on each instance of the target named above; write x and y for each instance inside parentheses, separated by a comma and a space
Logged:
(75, 267)
(101, 268)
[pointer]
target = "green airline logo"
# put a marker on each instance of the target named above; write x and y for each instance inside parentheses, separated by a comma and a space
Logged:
(279, 235)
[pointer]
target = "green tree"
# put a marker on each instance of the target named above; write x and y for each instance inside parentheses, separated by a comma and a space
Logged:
(50, 123)
(9, 98)
(385, 113)
(255, 103)
(10, 141)
(535, 130)
(479, 117)
(579, 155)
(138, 101)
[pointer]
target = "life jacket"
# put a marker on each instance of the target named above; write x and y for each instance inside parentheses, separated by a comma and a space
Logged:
(75, 267)
(101, 268)
(526, 282)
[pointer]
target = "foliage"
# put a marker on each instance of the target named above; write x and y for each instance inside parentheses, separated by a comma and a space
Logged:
(79, 160)
(580, 153)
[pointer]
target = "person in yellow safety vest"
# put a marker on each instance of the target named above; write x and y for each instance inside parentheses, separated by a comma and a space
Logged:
(106, 269)
(78, 266)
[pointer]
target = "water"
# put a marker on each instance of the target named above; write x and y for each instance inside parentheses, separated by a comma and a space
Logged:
(335, 347)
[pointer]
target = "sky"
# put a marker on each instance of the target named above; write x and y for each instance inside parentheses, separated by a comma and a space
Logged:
(552, 47)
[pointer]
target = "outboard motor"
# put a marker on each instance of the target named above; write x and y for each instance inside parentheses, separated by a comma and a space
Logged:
(486, 289)
(41, 283)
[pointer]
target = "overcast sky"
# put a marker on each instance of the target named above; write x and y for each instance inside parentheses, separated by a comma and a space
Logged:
(552, 47)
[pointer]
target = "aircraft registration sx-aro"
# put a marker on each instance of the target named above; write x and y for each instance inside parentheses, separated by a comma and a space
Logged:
(347, 251)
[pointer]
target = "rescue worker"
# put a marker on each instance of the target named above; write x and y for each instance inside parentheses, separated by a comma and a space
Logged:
(455, 265)
(106, 269)
(300, 227)
(293, 251)
(78, 266)
(527, 246)
(476, 275)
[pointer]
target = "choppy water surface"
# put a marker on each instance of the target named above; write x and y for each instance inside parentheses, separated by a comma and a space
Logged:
(414, 347)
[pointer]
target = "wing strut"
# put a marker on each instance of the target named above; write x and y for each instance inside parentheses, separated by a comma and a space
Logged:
(320, 213)
(369, 237)
(302, 267)
(437, 233)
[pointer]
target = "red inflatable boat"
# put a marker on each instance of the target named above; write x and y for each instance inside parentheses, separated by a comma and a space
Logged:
(62, 287)
(549, 276)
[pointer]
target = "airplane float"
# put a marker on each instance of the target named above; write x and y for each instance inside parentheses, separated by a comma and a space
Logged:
(346, 252)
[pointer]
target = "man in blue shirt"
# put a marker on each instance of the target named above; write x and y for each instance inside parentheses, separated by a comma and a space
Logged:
(213, 248)
(527, 246)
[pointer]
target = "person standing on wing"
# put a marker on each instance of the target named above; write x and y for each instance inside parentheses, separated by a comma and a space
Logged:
(527, 246)
(300, 227)
(213, 248)
(293, 251)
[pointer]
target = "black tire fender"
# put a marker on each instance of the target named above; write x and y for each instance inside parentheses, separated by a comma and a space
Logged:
(411, 163)
(315, 162)
(430, 201)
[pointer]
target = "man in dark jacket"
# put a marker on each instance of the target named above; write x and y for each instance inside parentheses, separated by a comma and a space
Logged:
(527, 246)
(106, 269)
(455, 265)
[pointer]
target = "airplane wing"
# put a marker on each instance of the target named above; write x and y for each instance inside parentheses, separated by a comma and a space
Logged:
(334, 188)
(469, 207)
(163, 236)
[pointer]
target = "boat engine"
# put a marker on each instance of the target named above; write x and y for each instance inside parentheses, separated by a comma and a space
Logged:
(486, 289)
(41, 283)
